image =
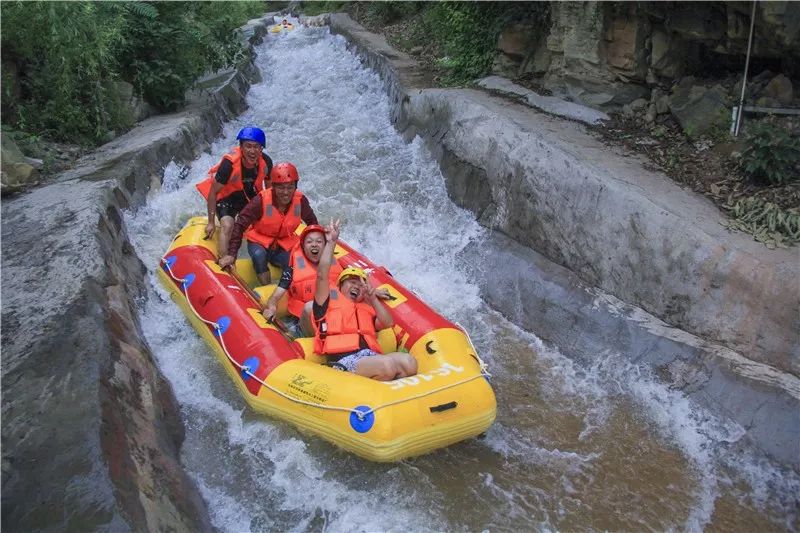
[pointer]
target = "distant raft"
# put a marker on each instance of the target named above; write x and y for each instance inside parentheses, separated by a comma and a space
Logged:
(449, 400)
(281, 27)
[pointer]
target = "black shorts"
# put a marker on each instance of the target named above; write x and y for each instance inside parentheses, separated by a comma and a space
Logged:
(232, 205)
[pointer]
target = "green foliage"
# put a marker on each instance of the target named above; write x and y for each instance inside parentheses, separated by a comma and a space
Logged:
(312, 9)
(468, 32)
(766, 221)
(771, 153)
(63, 51)
(66, 57)
(170, 44)
(389, 12)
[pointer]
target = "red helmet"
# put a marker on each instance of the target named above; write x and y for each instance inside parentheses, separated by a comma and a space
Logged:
(311, 229)
(284, 173)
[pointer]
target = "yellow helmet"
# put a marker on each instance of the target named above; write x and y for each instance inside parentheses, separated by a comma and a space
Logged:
(350, 272)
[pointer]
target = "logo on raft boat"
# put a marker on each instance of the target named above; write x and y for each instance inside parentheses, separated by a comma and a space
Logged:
(304, 388)
(444, 370)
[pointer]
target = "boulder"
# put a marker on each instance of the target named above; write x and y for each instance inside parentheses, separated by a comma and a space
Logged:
(698, 110)
(132, 107)
(651, 114)
(780, 88)
(18, 171)
(638, 104)
(603, 94)
(662, 105)
(505, 66)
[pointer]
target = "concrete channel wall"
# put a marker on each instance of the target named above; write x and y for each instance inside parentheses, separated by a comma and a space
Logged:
(91, 429)
(597, 254)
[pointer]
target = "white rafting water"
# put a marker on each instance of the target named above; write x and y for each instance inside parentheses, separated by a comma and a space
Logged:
(600, 447)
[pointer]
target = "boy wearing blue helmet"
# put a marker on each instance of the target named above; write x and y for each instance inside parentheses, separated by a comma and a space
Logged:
(239, 176)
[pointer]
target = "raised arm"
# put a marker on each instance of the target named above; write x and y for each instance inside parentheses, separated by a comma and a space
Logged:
(322, 291)
(384, 317)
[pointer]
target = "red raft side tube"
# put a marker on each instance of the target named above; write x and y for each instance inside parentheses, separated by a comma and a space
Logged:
(449, 399)
(225, 311)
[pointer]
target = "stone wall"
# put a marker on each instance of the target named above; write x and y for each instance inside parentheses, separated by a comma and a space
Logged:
(91, 430)
(607, 54)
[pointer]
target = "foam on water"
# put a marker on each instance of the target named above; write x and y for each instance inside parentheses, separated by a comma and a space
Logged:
(328, 115)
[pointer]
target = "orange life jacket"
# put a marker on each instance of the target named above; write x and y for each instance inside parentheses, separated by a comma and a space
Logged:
(275, 227)
(344, 323)
(304, 279)
(235, 181)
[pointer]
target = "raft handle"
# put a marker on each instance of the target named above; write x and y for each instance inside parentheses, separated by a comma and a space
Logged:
(444, 407)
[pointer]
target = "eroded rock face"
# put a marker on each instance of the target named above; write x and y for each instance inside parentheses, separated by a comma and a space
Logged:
(607, 54)
(91, 430)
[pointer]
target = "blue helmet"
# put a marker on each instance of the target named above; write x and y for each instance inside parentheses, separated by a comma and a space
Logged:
(251, 133)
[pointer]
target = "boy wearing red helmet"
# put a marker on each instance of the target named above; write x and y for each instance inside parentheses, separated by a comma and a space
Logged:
(269, 221)
(239, 176)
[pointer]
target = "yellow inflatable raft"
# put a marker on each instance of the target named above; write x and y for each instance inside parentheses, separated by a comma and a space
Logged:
(449, 400)
(281, 27)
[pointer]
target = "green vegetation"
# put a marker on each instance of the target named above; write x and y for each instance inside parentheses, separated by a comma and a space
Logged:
(463, 34)
(771, 154)
(312, 9)
(61, 61)
(467, 33)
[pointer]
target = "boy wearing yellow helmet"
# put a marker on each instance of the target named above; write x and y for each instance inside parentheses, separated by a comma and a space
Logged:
(347, 318)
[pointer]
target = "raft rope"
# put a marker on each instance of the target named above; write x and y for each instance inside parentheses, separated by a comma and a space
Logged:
(361, 415)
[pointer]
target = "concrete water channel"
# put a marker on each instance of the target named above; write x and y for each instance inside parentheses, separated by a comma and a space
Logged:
(606, 420)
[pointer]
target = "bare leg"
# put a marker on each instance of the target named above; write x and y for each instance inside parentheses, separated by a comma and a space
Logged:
(376, 367)
(387, 367)
(305, 320)
(225, 232)
(265, 278)
(406, 362)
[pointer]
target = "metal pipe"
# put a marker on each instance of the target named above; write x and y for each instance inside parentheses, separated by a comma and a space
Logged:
(746, 67)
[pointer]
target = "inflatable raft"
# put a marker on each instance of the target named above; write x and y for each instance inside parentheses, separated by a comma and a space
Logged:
(449, 399)
(280, 27)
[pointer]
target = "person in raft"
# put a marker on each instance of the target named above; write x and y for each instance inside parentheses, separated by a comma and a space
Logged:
(239, 176)
(269, 221)
(299, 279)
(347, 317)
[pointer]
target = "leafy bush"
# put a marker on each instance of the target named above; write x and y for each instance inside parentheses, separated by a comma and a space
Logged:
(67, 56)
(468, 32)
(388, 12)
(63, 52)
(169, 44)
(312, 9)
(771, 154)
